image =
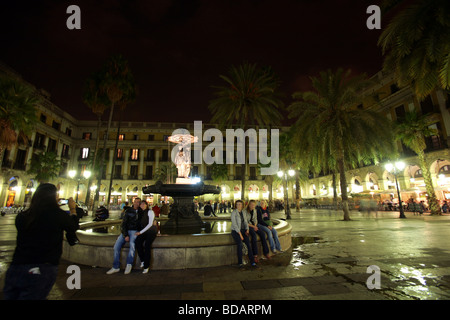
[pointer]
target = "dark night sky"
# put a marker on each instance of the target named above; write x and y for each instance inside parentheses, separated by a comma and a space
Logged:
(178, 48)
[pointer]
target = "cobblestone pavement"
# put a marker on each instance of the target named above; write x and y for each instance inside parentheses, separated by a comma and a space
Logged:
(329, 259)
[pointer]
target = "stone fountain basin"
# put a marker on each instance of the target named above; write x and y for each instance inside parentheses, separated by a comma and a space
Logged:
(181, 251)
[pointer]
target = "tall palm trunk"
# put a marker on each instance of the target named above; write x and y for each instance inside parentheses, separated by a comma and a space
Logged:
(297, 191)
(114, 156)
(244, 170)
(335, 194)
(102, 162)
(432, 200)
(344, 195)
(91, 178)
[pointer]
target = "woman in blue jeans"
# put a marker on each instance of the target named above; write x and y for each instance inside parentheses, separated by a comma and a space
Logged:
(265, 224)
(239, 232)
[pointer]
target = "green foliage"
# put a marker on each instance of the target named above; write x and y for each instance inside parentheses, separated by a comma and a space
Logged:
(219, 172)
(249, 97)
(17, 110)
(45, 166)
(413, 130)
(416, 45)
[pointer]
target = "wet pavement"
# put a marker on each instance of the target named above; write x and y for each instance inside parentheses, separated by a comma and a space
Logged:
(329, 259)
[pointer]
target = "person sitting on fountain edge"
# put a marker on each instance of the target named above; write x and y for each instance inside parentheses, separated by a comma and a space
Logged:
(252, 220)
(239, 232)
(129, 228)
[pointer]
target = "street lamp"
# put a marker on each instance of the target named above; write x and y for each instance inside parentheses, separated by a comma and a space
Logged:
(284, 174)
(395, 168)
(72, 175)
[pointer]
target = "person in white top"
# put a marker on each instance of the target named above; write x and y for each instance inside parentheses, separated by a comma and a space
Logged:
(146, 236)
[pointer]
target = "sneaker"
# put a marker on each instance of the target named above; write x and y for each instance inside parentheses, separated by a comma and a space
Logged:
(255, 266)
(142, 264)
(112, 270)
(146, 270)
(128, 269)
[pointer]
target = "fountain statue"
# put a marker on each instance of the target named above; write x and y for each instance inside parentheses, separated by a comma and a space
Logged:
(183, 215)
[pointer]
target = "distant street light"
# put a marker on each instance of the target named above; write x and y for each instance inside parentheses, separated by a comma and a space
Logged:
(283, 174)
(73, 175)
(399, 166)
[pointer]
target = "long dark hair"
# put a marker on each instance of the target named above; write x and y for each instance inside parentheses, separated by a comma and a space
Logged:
(43, 200)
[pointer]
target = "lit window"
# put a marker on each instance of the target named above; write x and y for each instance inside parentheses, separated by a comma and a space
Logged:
(121, 137)
(134, 154)
(84, 153)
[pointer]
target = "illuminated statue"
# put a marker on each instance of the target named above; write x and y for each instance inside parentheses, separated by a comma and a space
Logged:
(183, 158)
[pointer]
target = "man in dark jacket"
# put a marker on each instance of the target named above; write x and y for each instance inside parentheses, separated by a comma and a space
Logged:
(130, 225)
(208, 210)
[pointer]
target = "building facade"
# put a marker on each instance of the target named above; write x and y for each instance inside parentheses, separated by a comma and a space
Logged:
(143, 148)
(375, 180)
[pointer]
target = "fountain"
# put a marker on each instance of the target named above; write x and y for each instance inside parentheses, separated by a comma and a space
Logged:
(183, 216)
(185, 239)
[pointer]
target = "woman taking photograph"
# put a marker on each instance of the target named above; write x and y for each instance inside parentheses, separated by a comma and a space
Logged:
(239, 232)
(146, 236)
(40, 231)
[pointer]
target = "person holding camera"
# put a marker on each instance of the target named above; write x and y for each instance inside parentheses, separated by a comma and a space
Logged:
(40, 231)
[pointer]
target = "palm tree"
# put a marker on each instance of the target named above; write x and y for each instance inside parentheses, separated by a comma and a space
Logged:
(45, 166)
(115, 82)
(412, 131)
(128, 97)
(98, 102)
(219, 172)
(249, 98)
(165, 171)
(330, 126)
(416, 45)
(17, 112)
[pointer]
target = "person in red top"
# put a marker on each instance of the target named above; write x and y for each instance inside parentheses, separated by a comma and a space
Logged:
(156, 210)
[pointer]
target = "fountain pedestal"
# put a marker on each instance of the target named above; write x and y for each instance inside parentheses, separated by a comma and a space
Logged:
(183, 216)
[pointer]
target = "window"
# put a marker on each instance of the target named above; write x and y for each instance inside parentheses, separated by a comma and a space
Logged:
(400, 113)
(119, 154)
(151, 155)
(65, 151)
(151, 137)
(69, 132)
(134, 154)
(121, 137)
(166, 137)
(84, 153)
(43, 118)
(39, 141)
(165, 155)
(136, 137)
(118, 171)
(427, 106)
(87, 135)
(149, 172)
(56, 125)
(133, 172)
(394, 88)
(51, 145)
(252, 173)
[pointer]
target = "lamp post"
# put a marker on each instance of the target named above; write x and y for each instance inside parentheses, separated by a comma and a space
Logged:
(283, 175)
(395, 169)
(73, 174)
